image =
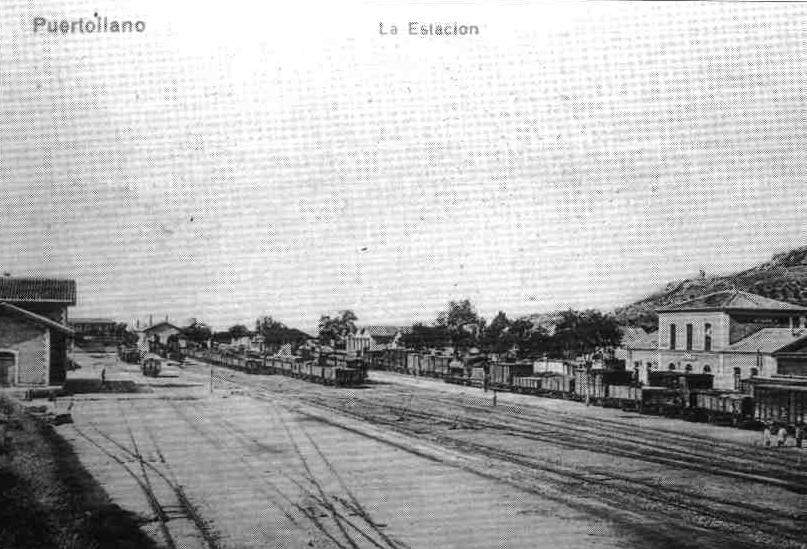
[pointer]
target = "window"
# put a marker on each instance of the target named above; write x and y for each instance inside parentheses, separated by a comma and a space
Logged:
(672, 336)
(707, 337)
(707, 369)
(754, 372)
(650, 365)
(689, 337)
(688, 368)
(671, 366)
(636, 364)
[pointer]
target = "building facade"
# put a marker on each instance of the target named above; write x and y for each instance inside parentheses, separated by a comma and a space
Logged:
(732, 335)
(34, 336)
(373, 337)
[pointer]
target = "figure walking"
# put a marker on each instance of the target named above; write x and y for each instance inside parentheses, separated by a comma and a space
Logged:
(766, 435)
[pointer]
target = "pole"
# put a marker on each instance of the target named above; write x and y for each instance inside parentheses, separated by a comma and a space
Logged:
(211, 380)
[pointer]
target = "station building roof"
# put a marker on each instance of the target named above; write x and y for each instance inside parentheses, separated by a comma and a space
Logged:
(733, 300)
(37, 290)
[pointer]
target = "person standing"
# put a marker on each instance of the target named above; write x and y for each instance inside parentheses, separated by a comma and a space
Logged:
(781, 436)
(799, 434)
(103, 376)
(766, 435)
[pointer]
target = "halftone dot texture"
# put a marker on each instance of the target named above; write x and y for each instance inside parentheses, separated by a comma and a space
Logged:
(299, 163)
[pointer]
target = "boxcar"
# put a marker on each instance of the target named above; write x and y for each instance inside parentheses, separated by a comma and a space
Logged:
(441, 365)
(627, 397)
(780, 403)
(595, 383)
(151, 366)
(558, 385)
(530, 385)
(722, 407)
(502, 373)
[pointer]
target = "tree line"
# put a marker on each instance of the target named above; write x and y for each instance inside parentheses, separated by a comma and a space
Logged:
(575, 333)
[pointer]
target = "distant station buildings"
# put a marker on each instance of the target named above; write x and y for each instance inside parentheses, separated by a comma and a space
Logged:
(373, 338)
(156, 336)
(103, 328)
(34, 335)
(732, 335)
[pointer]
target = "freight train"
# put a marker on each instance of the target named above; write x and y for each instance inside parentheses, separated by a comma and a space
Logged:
(334, 369)
(686, 395)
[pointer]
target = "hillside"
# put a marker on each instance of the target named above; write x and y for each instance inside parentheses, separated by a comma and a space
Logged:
(784, 278)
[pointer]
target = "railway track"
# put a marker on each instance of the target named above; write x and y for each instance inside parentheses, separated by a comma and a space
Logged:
(338, 516)
(167, 499)
(446, 422)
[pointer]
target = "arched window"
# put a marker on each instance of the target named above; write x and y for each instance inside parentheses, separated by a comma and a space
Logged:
(671, 366)
(688, 368)
(707, 369)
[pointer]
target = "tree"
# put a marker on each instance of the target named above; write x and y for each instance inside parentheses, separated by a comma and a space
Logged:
(198, 332)
(423, 337)
(463, 324)
(497, 337)
(238, 331)
(336, 329)
(275, 334)
(531, 341)
(585, 333)
(221, 337)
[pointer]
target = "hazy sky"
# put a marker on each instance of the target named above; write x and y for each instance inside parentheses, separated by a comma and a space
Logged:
(238, 160)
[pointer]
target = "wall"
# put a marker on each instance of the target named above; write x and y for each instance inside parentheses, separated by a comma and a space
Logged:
(32, 343)
(720, 329)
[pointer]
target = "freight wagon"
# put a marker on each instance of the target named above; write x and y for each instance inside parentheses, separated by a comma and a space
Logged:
(502, 373)
(528, 385)
(780, 403)
(151, 366)
(721, 407)
(593, 384)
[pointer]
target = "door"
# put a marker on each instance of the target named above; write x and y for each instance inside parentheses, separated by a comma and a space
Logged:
(6, 368)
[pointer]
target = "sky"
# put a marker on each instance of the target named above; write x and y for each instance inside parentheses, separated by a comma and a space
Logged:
(235, 160)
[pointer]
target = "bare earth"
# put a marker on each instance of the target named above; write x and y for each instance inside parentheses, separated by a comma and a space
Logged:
(268, 461)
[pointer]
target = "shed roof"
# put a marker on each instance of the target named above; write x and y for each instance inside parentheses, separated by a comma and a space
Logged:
(383, 331)
(735, 300)
(37, 290)
(767, 340)
(644, 342)
(160, 325)
(33, 317)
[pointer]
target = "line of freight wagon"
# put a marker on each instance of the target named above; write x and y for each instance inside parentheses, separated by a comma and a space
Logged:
(674, 394)
(334, 369)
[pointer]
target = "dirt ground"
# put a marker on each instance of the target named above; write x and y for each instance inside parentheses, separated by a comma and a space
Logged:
(268, 461)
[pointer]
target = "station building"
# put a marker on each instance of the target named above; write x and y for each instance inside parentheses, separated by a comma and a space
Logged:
(34, 336)
(732, 335)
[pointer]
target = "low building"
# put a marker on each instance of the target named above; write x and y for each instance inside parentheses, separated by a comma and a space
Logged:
(732, 335)
(154, 337)
(376, 337)
(34, 336)
(102, 328)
